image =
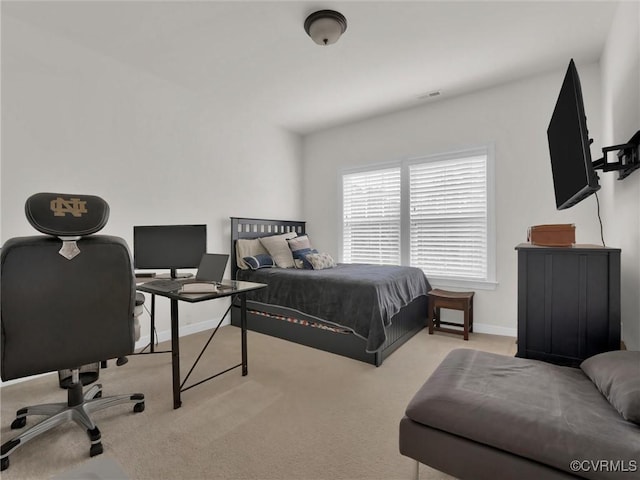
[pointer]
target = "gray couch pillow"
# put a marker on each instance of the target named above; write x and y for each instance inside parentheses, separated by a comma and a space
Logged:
(617, 376)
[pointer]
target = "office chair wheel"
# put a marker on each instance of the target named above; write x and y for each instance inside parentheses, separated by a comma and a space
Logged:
(4, 464)
(96, 449)
(138, 407)
(96, 444)
(18, 423)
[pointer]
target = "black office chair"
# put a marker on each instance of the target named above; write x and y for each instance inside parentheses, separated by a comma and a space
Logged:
(67, 300)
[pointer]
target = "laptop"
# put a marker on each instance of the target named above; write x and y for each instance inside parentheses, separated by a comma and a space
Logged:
(212, 267)
(210, 270)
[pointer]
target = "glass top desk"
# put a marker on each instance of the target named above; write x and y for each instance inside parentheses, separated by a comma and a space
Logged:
(236, 288)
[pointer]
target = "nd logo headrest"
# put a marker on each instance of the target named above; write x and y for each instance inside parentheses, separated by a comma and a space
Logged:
(66, 215)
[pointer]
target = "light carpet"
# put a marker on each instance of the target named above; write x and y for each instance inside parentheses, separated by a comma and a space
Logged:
(300, 413)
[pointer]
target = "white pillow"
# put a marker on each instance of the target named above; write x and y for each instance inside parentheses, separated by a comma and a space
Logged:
(248, 247)
(279, 250)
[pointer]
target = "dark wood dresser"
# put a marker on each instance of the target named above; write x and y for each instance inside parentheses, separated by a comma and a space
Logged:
(568, 302)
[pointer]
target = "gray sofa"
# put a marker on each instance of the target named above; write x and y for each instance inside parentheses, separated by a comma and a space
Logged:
(486, 416)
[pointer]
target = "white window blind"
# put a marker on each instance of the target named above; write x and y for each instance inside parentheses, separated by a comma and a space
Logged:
(448, 217)
(371, 216)
(435, 213)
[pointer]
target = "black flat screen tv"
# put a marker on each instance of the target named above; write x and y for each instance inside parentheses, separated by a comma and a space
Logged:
(574, 176)
(169, 246)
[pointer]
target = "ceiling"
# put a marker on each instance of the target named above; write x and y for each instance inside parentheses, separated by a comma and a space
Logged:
(392, 54)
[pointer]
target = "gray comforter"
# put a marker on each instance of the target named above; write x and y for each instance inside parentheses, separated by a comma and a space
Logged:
(360, 297)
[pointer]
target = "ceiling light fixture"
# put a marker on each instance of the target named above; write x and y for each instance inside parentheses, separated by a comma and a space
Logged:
(325, 26)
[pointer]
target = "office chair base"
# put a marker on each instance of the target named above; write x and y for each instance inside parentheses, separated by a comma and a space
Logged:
(78, 408)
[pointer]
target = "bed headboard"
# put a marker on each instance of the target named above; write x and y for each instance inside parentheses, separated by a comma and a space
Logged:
(259, 227)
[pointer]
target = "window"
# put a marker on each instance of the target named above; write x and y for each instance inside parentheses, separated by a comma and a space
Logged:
(434, 212)
(371, 217)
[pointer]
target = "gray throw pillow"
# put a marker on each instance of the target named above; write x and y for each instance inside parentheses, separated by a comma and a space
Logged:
(617, 376)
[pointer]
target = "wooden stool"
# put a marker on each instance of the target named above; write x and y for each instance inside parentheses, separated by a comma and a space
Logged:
(455, 301)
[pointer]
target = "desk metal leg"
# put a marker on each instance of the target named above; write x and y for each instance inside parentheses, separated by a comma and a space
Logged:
(175, 347)
(175, 354)
(153, 324)
(243, 332)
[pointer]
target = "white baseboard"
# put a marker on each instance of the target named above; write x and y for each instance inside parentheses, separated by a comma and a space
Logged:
(24, 379)
(189, 329)
(495, 330)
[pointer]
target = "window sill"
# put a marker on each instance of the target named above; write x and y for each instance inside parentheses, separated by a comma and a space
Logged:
(440, 282)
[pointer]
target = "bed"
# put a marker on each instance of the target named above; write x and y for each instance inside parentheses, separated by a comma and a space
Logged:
(363, 312)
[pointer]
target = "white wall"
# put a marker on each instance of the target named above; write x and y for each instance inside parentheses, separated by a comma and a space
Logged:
(514, 117)
(621, 119)
(75, 121)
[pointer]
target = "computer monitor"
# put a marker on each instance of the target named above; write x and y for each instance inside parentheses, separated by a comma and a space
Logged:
(169, 246)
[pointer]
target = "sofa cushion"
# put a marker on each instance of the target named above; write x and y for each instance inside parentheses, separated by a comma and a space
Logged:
(617, 375)
(540, 411)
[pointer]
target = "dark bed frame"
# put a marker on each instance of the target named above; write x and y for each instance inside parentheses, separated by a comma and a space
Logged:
(404, 325)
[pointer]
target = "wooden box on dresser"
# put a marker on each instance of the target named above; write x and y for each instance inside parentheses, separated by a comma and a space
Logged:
(568, 302)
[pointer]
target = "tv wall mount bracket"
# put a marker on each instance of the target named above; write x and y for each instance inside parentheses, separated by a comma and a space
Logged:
(628, 158)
